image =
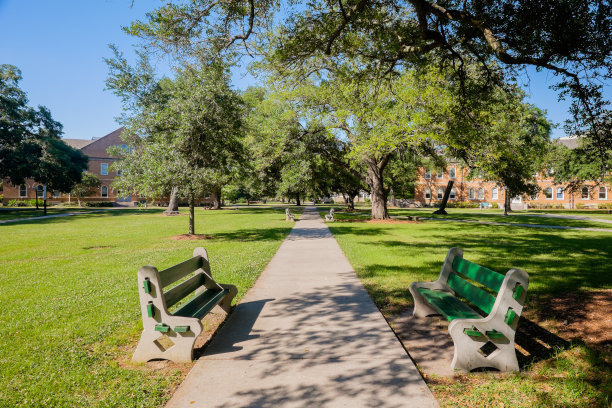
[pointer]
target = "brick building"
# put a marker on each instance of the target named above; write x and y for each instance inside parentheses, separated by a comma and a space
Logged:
(99, 164)
(431, 184)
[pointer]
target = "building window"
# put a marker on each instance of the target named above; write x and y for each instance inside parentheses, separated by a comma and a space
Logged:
(39, 191)
(452, 172)
(104, 169)
(494, 194)
(440, 173)
(23, 191)
(453, 194)
(560, 193)
(584, 193)
(57, 194)
(471, 194)
(534, 196)
(440, 193)
(427, 174)
(428, 194)
(603, 193)
(104, 191)
(548, 193)
(481, 193)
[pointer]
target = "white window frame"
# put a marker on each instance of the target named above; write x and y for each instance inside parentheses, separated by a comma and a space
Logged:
(104, 169)
(605, 190)
(39, 191)
(56, 194)
(440, 194)
(557, 193)
(588, 193)
(453, 194)
(472, 193)
(427, 193)
(551, 193)
(427, 174)
(452, 172)
(481, 193)
(495, 194)
(25, 195)
(440, 173)
(102, 192)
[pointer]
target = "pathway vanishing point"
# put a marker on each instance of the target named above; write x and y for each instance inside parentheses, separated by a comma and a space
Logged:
(306, 335)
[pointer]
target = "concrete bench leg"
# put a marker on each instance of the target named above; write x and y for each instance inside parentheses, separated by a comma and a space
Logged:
(181, 352)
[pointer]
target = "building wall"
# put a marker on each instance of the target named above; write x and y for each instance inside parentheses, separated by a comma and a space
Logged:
(462, 185)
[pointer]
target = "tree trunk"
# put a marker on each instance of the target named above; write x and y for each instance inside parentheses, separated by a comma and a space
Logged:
(351, 201)
(173, 207)
(297, 199)
(507, 203)
(216, 196)
(377, 191)
(191, 215)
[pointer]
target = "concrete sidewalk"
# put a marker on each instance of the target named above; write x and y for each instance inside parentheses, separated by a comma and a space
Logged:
(306, 335)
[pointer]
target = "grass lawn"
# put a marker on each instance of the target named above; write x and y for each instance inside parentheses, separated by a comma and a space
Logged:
(10, 213)
(388, 257)
(69, 304)
(498, 216)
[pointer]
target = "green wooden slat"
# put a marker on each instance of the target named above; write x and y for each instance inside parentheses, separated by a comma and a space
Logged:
(473, 332)
(164, 328)
(146, 284)
(182, 290)
(150, 309)
(480, 274)
(178, 271)
(448, 305)
(510, 316)
(473, 294)
(518, 292)
(494, 334)
(201, 304)
(181, 329)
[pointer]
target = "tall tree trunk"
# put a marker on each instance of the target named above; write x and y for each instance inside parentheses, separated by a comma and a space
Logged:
(377, 190)
(216, 196)
(350, 201)
(191, 215)
(173, 205)
(507, 208)
(297, 199)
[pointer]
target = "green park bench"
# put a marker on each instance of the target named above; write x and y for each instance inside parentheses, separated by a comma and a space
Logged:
(480, 341)
(171, 335)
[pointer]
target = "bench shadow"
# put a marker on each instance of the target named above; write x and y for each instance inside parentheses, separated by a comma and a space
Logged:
(537, 343)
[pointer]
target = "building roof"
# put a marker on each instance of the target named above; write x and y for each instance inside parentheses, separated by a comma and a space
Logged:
(77, 143)
(570, 142)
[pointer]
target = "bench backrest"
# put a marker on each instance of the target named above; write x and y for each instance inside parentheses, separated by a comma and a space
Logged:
(198, 264)
(462, 270)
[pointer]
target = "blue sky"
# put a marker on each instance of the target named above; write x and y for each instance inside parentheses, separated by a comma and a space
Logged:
(60, 46)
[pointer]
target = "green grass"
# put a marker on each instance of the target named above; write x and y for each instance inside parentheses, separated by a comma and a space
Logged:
(27, 212)
(69, 307)
(388, 257)
(497, 216)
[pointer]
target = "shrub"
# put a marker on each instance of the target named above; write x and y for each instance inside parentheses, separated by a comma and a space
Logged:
(17, 203)
(580, 206)
(494, 205)
(462, 204)
(32, 202)
(98, 204)
(604, 206)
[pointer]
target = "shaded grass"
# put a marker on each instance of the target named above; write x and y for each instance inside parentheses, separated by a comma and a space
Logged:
(69, 303)
(389, 257)
(17, 213)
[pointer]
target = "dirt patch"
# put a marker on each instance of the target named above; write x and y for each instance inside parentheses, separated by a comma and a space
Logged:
(191, 237)
(371, 221)
(98, 247)
(578, 316)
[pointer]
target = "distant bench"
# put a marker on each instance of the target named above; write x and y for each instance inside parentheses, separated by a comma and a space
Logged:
(485, 205)
(479, 341)
(182, 326)
(288, 215)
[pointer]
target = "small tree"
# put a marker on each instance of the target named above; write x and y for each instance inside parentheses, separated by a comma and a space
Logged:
(84, 188)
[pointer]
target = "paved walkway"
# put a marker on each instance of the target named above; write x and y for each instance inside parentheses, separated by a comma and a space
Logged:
(306, 335)
(516, 224)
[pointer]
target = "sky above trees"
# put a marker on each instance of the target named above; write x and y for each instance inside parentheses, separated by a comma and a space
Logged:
(60, 48)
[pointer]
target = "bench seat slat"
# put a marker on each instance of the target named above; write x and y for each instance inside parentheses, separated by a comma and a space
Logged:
(178, 271)
(480, 274)
(473, 294)
(180, 291)
(201, 304)
(448, 305)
